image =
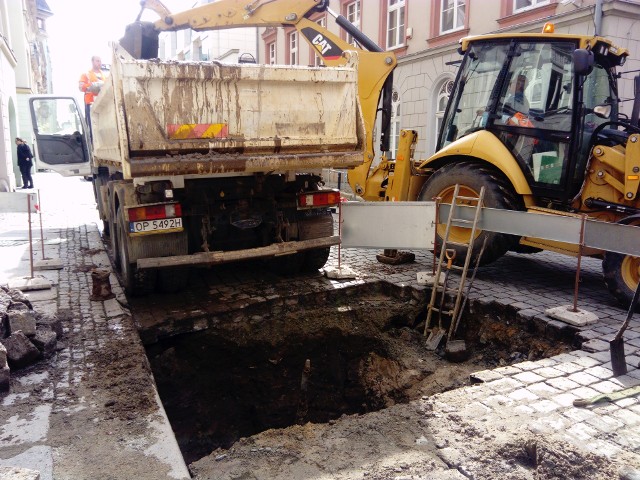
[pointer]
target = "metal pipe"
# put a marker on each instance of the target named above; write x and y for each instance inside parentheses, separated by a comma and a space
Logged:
(30, 235)
(580, 250)
(597, 17)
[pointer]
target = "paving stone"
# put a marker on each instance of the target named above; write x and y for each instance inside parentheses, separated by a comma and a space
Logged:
(18, 296)
(606, 387)
(45, 341)
(484, 376)
(545, 406)
(498, 401)
(627, 416)
(522, 394)
(549, 372)
(543, 390)
(5, 375)
(503, 385)
(599, 372)
(604, 423)
(20, 351)
(585, 359)
(582, 378)
(507, 371)
(564, 399)
(568, 367)
(582, 432)
(528, 378)
(22, 320)
(50, 321)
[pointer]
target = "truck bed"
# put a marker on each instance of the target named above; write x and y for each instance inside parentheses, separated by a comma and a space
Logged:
(162, 118)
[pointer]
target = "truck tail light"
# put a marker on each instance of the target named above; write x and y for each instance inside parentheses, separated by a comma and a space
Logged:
(321, 198)
(155, 212)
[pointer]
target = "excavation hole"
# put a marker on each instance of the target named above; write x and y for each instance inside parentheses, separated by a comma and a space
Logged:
(299, 362)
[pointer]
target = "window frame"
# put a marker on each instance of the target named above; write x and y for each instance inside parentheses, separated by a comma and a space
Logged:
(534, 4)
(293, 42)
(399, 7)
(455, 8)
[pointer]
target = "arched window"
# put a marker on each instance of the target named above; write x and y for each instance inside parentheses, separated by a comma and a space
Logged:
(441, 105)
(395, 123)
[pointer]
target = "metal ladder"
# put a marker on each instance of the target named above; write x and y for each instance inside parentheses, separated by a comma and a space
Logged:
(447, 256)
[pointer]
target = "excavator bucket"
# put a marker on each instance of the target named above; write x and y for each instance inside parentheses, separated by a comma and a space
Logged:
(141, 40)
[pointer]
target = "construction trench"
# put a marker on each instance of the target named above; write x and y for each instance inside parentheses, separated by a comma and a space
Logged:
(318, 357)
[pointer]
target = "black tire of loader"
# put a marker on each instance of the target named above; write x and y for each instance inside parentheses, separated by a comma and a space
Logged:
(135, 281)
(612, 273)
(498, 194)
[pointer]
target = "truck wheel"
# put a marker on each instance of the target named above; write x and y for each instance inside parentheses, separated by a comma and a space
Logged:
(471, 177)
(173, 280)
(134, 281)
(316, 227)
(621, 275)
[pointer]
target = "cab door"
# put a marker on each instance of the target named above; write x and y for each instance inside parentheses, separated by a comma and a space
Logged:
(61, 135)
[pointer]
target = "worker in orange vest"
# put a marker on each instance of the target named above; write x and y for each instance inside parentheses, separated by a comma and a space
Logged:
(90, 83)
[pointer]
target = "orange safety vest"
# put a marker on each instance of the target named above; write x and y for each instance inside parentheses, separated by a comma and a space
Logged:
(86, 79)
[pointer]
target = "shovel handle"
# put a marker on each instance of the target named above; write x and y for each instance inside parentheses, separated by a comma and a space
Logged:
(450, 254)
(632, 308)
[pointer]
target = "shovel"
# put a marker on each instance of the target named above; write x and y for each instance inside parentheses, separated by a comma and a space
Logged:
(616, 346)
(436, 336)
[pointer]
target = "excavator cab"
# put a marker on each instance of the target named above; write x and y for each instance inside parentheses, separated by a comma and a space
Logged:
(541, 100)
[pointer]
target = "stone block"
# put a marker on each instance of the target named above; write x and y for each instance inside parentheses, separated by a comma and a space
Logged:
(3, 356)
(18, 297)
(4, 378)
(18, 473)
(45, 340)
(20, 351)
(49, 321)
(23, 320)
(5, 301)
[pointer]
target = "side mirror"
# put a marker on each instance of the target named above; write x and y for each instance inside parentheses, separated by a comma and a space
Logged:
(602, 111)
(582, 61)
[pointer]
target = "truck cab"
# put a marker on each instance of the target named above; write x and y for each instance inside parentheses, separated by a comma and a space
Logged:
(61, 135)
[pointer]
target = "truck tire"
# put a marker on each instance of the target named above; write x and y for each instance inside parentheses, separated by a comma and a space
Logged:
(135, 281)
(622, 272)
(471, 176)
(316, 227)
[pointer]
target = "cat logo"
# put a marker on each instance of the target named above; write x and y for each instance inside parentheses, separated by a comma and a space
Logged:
(325, 47)
(321, 44)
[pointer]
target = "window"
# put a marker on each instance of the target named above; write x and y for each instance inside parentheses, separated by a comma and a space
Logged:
(271, 48)
(293, 48)
(452, 15)
(441, 103)
(352, 11)
(395, 23)
(522, 5)
(394, 136)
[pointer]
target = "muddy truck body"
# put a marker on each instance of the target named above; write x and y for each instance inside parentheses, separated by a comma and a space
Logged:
(204, 163)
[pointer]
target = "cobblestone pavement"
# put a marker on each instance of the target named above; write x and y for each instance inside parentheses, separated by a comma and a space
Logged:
(65, 409)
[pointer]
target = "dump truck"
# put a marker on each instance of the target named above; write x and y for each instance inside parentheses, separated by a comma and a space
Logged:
(202, 163)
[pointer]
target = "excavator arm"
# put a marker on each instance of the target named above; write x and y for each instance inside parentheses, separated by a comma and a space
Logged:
(375, 66)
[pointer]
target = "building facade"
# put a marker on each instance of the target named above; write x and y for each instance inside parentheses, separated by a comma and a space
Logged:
(25, 69)
(424, 36)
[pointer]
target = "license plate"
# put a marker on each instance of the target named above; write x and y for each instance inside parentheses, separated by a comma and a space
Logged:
(156, 225)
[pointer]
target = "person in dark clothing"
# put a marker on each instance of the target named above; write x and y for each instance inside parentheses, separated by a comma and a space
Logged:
(25, 162)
